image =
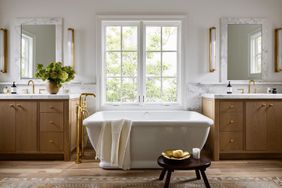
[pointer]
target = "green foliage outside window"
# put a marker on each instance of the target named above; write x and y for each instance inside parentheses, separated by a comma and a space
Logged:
(122, 64)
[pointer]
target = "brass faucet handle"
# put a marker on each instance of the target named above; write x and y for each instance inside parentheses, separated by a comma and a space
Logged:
(42, 91)
(241, 90)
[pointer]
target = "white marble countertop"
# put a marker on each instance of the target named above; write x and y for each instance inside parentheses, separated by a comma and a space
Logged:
(38, 96)
(243, 96)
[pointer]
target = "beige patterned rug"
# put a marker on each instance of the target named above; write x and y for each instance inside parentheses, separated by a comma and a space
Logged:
(138, 182)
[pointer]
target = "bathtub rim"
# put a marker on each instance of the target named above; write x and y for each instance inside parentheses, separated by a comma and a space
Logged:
(207, 121)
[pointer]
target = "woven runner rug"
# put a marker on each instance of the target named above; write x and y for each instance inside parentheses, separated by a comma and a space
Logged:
(139, 182)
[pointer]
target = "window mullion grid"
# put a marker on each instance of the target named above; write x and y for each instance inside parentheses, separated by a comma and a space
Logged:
(142, 63)
(121, 64)
(161, 47)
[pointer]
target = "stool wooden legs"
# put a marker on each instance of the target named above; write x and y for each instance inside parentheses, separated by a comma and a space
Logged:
(168, 172)
(198, 174)
(205, 178)
(162, 174)
(167, 180)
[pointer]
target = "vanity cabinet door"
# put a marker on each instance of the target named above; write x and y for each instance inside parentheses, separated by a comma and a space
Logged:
(256, 126)
(7, 126)
(26, 126)
(274, 126)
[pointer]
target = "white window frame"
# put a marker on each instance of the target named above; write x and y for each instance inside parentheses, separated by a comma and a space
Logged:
(144, 20)
(252, 44)
(31, 38)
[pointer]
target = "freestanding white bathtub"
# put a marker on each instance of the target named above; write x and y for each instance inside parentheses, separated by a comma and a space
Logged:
(154, 131)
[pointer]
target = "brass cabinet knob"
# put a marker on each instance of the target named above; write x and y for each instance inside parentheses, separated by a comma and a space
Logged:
(231, 140)
(51, 141)
(231, 121)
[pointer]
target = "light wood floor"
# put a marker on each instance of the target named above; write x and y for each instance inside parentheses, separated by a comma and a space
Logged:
(251, 168)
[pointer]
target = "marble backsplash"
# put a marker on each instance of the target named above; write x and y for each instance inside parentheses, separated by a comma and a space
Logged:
(195, 91)
(193, 98)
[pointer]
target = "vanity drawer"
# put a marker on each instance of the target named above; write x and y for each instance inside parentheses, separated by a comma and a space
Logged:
(51, 106)
(51, 122)
(231, 121)
(230, 106)
(51, 142)
(231, 141)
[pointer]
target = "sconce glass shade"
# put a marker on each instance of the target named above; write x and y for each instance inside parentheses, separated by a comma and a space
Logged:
(71, 47)
(212, 49)
(278, 49)
(3, 50)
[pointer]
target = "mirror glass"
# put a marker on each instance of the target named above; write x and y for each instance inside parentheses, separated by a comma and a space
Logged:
(244, 51)
(38, 46)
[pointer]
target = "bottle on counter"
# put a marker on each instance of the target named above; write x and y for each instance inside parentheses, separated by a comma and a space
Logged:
(229, 88)
(14, 88)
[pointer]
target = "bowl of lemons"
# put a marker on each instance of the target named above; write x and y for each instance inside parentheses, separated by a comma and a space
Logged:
(176, 154)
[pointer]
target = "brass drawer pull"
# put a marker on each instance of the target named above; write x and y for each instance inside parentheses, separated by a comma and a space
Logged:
(20, 106)
(270, 105)
(231, 121)
(231, 140)
(12, 106)
(51, 141)
(231, 106)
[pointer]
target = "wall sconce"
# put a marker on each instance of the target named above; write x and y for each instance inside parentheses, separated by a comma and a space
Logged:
(278, 49)
(3, 50)
(212, 51)
(71, 47)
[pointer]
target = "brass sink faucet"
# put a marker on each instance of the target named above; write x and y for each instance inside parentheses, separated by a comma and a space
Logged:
(33, 88)
(249, 86)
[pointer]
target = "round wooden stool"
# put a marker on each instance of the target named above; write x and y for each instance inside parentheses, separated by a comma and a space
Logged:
(199, 165)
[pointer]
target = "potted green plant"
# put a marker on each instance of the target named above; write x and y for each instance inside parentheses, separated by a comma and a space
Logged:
(56, 74)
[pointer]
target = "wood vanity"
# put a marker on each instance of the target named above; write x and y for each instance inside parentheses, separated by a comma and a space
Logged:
(37, 126)
(246, 126)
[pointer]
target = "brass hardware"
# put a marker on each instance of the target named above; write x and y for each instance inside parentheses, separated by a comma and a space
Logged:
(51, 141)
(231, 121)
(5, 50)
(72, 43)
(51, 122)
(33, 87)
(249, 86)
(231, 140)
(41, 91)
(51, 107)
(12, 106)
(231, 106)
(263, 105)
(212, 50)
(241, 90)
(270, 105)
(276, 49)
(81, 113)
